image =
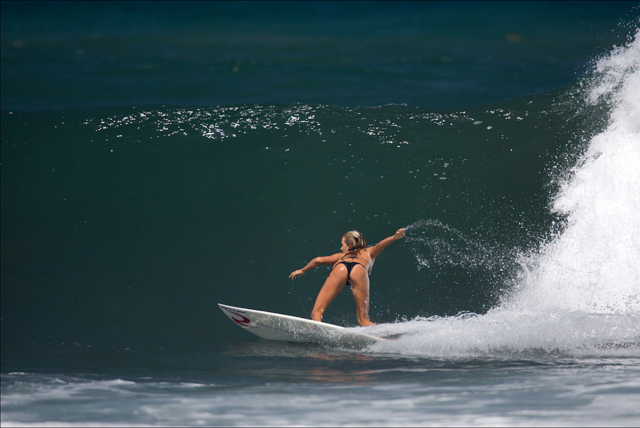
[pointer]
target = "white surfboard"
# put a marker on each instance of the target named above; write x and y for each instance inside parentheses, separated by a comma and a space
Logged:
(273, 326)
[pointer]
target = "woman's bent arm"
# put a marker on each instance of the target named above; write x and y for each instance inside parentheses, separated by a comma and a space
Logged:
(377, 249)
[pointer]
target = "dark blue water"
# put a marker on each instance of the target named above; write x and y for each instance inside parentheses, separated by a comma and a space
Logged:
(159, 158)
(429, 54)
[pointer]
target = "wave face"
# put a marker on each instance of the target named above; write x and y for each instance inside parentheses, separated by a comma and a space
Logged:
(136, 213)
(126, 225)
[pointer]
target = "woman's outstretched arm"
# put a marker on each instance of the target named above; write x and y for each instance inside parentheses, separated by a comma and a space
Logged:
(329, 260)
(377, 249)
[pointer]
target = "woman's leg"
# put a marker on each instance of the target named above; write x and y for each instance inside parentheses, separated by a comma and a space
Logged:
(332, 286)
(360, 290)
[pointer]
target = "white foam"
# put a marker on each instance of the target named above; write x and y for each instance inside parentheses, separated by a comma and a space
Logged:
(56, 389)
(594, 266)
(512, 333)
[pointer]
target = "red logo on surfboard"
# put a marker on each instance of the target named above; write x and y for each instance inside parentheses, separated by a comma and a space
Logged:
(241, 320)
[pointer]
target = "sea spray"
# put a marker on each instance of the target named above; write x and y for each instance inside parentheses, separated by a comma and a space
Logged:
(580, 294)
(434, 243)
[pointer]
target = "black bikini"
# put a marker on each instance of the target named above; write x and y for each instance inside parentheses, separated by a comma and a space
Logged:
(350, 266)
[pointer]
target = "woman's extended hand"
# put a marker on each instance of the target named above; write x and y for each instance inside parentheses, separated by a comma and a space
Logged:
(399, 234)
(296, 274)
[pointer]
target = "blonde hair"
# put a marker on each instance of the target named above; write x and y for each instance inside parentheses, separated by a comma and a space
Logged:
(355, 242)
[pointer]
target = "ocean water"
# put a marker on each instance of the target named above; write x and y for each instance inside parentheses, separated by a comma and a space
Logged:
(158, 158)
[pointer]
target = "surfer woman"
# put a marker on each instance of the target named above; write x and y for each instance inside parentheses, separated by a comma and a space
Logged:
(352, 266)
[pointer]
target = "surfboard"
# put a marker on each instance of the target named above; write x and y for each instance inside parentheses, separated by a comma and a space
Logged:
(272, 326)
